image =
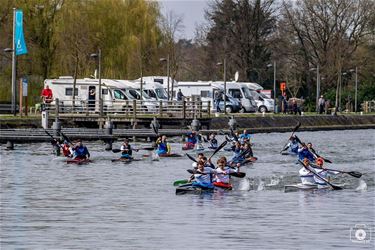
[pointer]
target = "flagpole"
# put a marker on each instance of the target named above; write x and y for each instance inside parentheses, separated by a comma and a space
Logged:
(14, 64)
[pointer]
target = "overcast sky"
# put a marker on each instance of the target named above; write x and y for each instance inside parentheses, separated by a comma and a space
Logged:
(192, 12)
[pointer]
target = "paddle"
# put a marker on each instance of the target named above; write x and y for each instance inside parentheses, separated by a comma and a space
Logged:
(117, 150)
(235, 174)
(233, 135)
(180, 182)
(65, 137)
(293, 131)
(352, 173)
(319, 177)
(222, 145)
(312, 150)
(191, 157)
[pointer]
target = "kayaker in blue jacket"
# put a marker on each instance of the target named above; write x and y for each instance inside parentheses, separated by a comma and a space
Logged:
(80, 151)
(237, 151)
(292, 145)
(245, 137)
(305, 153)
(126, 150)
(163, 146)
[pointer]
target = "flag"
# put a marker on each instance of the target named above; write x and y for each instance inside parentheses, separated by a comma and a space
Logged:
(19, 40)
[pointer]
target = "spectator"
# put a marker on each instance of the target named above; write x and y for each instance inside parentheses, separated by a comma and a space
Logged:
(295, 108)
(327, 105)
(284, 104)
(217, 100)
(47, 95)
(321, 103)
(179, 95)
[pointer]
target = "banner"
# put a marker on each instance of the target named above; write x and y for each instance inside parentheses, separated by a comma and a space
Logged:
(24, 86)
(19, 40)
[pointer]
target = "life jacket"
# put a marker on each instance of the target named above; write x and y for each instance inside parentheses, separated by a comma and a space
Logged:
(305, 153)
(128, 151)
(163, 147)
(66, 150)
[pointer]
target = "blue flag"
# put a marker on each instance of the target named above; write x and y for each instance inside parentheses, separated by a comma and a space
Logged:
(19, 40)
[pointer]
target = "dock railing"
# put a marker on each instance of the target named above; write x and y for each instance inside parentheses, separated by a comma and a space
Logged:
(131, 109)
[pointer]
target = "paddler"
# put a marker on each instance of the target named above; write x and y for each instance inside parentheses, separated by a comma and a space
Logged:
(67, 150)
(222, 176)
(213, 141)
(203, 176)
(200, 156)
(244, 137)
(126, 150)
(163, 146)
(80, 151)
(304, 152)
(322, 172)
(191, 140)
(306, 176)
(292, 145)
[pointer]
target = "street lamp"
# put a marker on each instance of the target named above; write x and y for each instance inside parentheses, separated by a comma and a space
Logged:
(356, 87)
(97, 56)
(168, 72)
(224, 63)
(14, 73)
(274, 84)
(317, 86)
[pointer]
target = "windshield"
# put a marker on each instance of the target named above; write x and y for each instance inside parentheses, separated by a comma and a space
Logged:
(264, 96)
(161, 93)
(246, 91)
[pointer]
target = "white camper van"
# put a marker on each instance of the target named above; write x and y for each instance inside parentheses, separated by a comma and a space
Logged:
(87, 93)
(153, 86)
(264, 102)
(241, 92)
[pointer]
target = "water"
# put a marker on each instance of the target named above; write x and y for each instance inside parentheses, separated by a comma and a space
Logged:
(47, 204)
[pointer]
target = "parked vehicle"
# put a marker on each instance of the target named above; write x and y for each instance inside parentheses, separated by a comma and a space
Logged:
(206, 92)
(242, 93)
(264, 103)
(157, 86)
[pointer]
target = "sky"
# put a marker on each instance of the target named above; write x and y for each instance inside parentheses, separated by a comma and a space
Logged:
(191, 11)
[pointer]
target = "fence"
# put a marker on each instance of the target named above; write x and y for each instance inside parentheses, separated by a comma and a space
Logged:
(132, 109)
(368, 106)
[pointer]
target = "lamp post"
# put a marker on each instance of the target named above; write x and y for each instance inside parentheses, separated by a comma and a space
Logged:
(224, 63)
(274, 84)
(168, 72)
(98, 56)
(14, 72)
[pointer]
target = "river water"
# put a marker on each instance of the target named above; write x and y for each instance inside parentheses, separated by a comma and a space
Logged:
(47, 204)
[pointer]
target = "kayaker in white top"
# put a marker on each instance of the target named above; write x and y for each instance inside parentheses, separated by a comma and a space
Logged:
(306, 176)
(222, 176)
(322, 172)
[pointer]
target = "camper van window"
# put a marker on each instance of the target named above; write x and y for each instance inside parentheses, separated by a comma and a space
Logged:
(119, 95)
(236, 93)
(205, 93)
(69, 91)
(161, 93)
(104, 91)
(134, 94)
(159, 81)
(247, 92)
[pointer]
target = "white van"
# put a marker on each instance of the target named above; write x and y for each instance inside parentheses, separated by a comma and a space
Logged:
(242, 93)
(157, 87)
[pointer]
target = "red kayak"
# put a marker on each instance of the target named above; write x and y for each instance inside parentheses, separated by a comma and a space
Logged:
(188, 146)
(223, 185)
(78, 161)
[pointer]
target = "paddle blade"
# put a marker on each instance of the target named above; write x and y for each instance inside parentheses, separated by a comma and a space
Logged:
(191, 158)
(238, 175)
(116, 150)
(297, 127)
(355, 174)
(180, 182)
(65, 137)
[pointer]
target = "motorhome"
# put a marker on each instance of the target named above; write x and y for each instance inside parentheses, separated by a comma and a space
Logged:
(206, 92)
(157, 86)
(152, 89)
(264, 102)
(114, 94)
(241, 92)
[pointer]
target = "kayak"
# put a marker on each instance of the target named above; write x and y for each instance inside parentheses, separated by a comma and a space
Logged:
(170, 155)
(305, 187)
(288, 153)
(188, 146)
(125, 160)
(190, 189)
(78, 161)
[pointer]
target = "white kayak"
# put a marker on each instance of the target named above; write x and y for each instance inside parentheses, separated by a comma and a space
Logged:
(300, 186)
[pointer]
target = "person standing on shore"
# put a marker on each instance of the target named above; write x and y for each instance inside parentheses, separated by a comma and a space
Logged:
(321, 103)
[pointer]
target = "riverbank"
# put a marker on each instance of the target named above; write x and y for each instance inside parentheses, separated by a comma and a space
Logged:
(255, 123)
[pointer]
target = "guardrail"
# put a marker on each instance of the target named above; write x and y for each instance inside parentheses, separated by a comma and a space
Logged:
(132, 109)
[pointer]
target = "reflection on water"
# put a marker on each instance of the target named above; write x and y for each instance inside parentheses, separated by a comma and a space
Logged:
(47, 204)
